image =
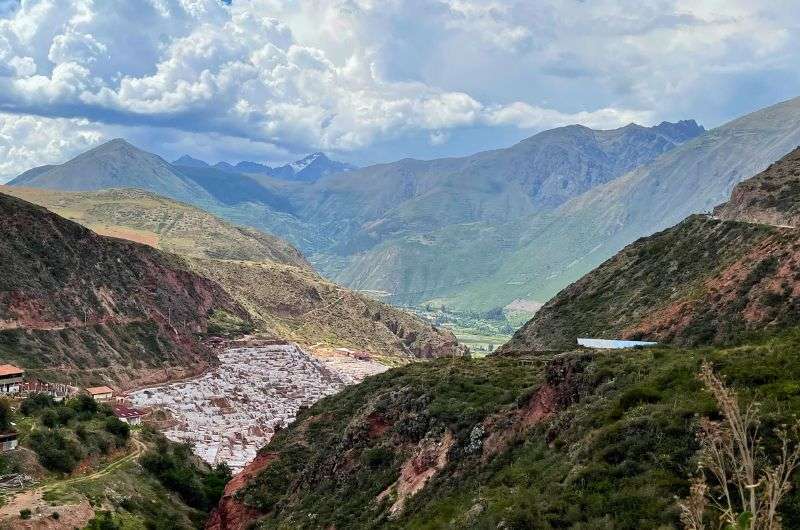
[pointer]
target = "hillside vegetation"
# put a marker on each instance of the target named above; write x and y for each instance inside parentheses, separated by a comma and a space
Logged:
(162, 223)
(90, 467)
(297, 304)
(572, 440)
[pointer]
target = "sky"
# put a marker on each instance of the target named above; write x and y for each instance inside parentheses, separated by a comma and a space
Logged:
(370, 81)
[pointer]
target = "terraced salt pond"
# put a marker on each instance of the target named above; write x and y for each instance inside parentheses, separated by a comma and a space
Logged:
(229, 413)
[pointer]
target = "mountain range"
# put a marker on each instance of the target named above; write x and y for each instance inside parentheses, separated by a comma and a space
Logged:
(308, 169)
(384, 228)
(515, 224)
(544, 434)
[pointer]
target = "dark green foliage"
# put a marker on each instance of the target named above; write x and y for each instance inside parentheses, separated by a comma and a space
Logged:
(103, 521)
(72, 430)
(25, 513)
(36, 402)
(57, 451)
(5, 415)
(118, 428)
(179, 470)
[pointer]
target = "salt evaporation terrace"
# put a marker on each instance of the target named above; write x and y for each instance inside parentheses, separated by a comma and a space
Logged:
(231, 412)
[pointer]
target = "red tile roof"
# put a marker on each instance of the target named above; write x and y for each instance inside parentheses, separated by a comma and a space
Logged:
(10, 369)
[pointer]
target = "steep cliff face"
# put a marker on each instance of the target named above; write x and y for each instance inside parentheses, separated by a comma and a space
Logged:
(75, 304)
(771, 197)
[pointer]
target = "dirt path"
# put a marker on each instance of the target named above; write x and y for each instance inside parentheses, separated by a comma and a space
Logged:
(116, 464)
(70, 515)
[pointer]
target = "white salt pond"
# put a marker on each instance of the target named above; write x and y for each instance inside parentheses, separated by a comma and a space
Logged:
(232, 411)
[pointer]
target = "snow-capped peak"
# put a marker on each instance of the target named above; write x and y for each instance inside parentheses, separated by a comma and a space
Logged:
(299, 165)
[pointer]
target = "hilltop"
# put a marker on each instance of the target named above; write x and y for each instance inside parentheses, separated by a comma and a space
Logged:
(114, 164)
(162, 223)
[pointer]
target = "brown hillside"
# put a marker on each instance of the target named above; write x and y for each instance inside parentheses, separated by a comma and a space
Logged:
(77, 305)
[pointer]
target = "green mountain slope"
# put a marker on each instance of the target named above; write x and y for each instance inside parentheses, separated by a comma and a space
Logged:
(574, 438)
(162, 223)
(558, 248)
(283, 296)
(703, 280)
(388, 227)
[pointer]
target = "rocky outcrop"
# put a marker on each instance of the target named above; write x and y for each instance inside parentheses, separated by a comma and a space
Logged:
(771, 197)
(231, 513)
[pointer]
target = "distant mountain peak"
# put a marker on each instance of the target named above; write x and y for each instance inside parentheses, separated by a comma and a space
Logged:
(189, 161)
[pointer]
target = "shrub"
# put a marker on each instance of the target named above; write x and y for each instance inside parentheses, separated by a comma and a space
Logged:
(118, 428)
(25, 513)
(55, 451)
(83, 405)
(49, 418)
(178, 470)
(733, 458)
(5, 415)
(36, 402)
(103, 521)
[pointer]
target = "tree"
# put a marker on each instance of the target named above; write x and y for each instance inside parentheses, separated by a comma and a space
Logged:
(739, 482)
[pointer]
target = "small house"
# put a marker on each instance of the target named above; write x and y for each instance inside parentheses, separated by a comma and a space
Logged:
(100, 393)
(130, 416)
(10, 378)
(8, 441)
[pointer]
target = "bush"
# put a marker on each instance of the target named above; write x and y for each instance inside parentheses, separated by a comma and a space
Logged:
(55, 450)
(118, 428)
(25, 513)
(36, 402)
(84, 405)
(103, 521)
(177, 469)
(50, 418)
(5, 415)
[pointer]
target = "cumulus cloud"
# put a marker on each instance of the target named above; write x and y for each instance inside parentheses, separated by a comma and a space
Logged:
(27, 141)
(342, 75)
